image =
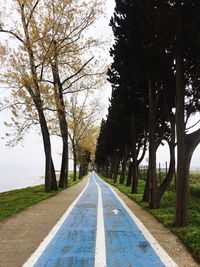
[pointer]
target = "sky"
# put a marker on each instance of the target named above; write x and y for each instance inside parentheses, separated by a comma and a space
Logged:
(26, 160)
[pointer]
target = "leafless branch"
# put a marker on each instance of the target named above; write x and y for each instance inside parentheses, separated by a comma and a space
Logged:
(193, 125)
(13, 34)
(75, 74)
(32, 11)
(12, 105)
(50, 109)
(47, 81)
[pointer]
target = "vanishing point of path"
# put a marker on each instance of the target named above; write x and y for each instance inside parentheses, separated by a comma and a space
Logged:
(98, 229)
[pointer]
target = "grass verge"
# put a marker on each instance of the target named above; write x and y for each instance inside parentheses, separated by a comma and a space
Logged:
(14, 201)
(189, 235)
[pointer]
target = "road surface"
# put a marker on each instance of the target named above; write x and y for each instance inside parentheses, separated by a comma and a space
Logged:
(99, 230)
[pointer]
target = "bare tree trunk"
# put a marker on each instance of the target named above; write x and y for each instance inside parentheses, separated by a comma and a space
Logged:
(75, 162)
(116, 163)
(124, 163)
(107, 168)
(116, 170)
(53, 177)
(143, 153)
(58, 94)
(104, 169)
(36, 97)
(182, 187)
(74, 169)
(130, 174)
(63, 181)
(182, 190)
(186, 143)
(122, 176)
(112, 164)
(47, 150)
(146, 195)
(166, 182)
(134, 188)
(152, 147)
(81, 171)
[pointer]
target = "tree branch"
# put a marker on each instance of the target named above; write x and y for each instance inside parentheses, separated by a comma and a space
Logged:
(193, 125)
(12, 105)
(32, 11)
(73, 75)
(12, 33)
(47, 81)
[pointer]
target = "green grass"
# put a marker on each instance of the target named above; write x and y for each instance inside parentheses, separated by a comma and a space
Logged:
(14, 201)
(189, 235)
(195, 178)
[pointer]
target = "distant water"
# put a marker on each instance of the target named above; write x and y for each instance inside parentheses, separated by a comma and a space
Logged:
(18, 183)
(22, 165)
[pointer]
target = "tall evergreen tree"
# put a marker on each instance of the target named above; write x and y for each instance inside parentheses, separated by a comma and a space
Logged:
(155, 71)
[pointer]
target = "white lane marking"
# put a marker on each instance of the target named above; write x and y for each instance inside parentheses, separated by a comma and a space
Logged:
(165, 258)
(115, 211)
(100, 250)
(36, 255)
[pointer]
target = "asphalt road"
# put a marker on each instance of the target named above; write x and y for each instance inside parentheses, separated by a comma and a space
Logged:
(99, 230)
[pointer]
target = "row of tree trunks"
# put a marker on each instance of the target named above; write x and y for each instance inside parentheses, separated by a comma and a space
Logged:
(105, 168)
(83, 170)
(152, 192)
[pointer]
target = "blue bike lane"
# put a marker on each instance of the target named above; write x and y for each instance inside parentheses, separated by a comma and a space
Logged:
(72, 241)
(99, 230)
(128, 242)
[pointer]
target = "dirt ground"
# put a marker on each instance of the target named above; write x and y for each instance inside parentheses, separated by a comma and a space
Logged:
(22, 233)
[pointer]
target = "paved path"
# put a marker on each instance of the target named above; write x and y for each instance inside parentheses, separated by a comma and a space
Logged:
(99, 230)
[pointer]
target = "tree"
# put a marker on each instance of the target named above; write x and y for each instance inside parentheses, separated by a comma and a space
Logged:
(187, 76)
(57, 47)
(148, 62)
(65, 47)
(124, 76)
(82, 116)
(154, 42)
(86, 150)
(23, 72)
